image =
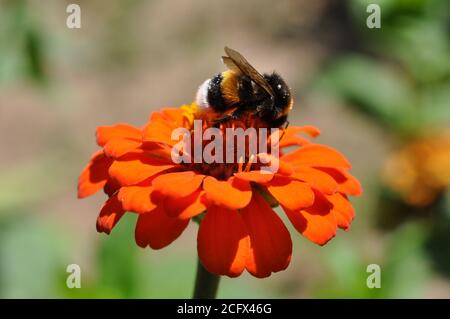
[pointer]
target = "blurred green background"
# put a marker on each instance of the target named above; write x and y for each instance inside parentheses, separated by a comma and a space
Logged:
(372, 92)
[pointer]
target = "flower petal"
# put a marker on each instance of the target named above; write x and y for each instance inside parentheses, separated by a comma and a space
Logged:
(117, 147)
(111, 187)
(342, 209)
(159, 128)
(178, 184)
(348, 184)
(270, 242)
(317, 223)
(136, 198)
(158, 151)
(316, 155)
(110, 214)
(157, 230)
(186, 207)
(159, 132)
(223, 242)
(233, 194)
(291, 193)
(175, 117)
(94, 176)
(272, 164)
(308, 129)
(106, 133)
(254, 176)
(133, 168)
(290, 138)
(316, 178)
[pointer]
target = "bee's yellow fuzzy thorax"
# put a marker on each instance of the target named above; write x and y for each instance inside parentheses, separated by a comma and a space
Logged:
(229, 86)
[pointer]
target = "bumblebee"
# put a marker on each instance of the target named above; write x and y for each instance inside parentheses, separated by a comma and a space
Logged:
(242, 90)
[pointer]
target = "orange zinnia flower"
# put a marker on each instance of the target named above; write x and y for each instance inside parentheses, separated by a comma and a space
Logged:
(425, 167)
(238, 228)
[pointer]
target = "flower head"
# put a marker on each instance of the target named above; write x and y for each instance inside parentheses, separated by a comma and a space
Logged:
(233, 201)
(425, 167)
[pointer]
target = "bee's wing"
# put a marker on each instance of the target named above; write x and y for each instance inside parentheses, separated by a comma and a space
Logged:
(237, 63)
(231, 65)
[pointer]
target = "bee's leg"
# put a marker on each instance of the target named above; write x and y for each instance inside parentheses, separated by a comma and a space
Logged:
(286, 125)
(229, 117)
(279, 122)
(221, 120)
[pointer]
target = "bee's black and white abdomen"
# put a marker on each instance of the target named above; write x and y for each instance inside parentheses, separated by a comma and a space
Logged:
(202, 95)
(209, 94)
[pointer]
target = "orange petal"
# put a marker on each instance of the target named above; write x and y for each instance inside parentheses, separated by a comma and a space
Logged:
(106, 133)
(136, 198)
(223, 242)
(317, 223)
(136, 167)
(186, 207)
(110, 214)
(157, 230)
(347, 183)
(308, 129)
(175, 117)
(159, 132)
(316, 179)
(273, 164)
(317, 155)
(270, 242)
(254, 176)
(178, 184)
(111, 187)
(342, 209)
(233, 194)
(159, 128)
(291, 193)
(158, 151)
(292, 140)
(94, 175)
(117, 147)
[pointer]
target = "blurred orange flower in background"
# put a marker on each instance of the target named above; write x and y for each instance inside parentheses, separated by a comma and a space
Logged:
(424, 166)
(232, 202)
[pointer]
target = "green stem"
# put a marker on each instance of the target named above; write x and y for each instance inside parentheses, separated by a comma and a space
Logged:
(206, 283)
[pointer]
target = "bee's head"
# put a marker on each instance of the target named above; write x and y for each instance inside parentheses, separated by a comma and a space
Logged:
(282, 93)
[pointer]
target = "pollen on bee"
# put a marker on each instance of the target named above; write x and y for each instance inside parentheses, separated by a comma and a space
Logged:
(229, 86)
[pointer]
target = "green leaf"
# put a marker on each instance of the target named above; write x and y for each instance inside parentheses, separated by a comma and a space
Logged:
(435, 106)
(32, 259)
(118, 264)
(406, 268)
(347, 274)
(373, 87)
(447, 203)
(421, 45)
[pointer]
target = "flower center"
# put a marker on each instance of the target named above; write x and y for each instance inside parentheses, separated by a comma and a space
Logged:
(228, 148)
